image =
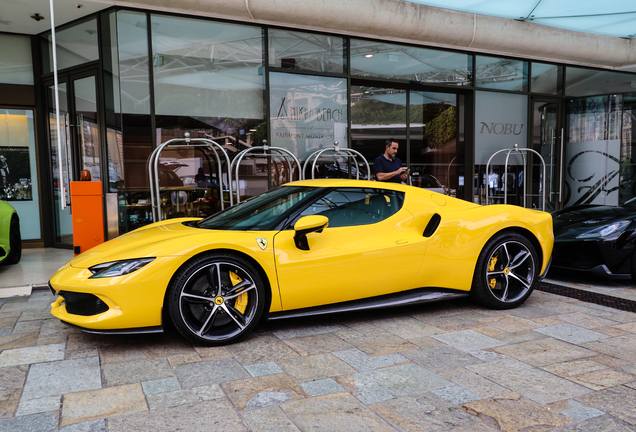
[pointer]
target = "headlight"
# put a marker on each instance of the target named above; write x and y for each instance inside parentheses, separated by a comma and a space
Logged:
(118, 268)
(606, 232)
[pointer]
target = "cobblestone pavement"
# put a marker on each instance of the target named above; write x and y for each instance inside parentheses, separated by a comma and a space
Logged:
(554, 364)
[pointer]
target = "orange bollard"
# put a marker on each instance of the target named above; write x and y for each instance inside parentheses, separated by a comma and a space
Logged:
(87, 209)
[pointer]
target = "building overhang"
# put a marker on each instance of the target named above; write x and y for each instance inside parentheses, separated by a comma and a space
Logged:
(402, 21)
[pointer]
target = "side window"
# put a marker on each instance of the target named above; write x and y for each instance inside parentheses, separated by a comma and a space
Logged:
(355, 206)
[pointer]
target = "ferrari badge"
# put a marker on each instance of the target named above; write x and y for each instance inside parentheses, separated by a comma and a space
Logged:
(262, 242)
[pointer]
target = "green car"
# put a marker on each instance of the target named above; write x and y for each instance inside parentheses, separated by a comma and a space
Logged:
(10, 239)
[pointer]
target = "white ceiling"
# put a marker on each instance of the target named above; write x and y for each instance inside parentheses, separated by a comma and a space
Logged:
(15, 15)
(608, 17)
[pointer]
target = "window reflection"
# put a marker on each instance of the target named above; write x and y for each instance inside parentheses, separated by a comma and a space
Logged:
(382, 60)
(306, 51)
(584, 82)
(76, 45)
(546, 78)
(501, 73)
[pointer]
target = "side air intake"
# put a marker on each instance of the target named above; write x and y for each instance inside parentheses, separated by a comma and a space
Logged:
(432, 225)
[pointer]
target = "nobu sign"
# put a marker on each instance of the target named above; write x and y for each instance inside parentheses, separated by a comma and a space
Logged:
(501, 128)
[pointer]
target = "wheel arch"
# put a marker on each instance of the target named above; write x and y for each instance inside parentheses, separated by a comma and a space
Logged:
(528, 235)
(518, 230)
(252, 261)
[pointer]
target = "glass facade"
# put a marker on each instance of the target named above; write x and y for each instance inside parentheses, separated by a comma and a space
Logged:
(244, 85)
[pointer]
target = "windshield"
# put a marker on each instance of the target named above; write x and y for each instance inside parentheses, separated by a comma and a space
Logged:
(261, 213)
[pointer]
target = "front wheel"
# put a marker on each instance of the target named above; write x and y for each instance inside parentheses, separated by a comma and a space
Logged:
(216, 299)
(506, 272)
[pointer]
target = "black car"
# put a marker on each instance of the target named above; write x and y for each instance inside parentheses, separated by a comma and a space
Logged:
(596, 239)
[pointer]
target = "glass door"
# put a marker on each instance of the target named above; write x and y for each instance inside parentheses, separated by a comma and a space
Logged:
(433, 143)
(426, 125)
(547, 139)
(60, 146)
(75, 147)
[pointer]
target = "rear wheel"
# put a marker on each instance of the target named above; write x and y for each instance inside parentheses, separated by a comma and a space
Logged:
(15, 241)
(506, 272)
(216, 299)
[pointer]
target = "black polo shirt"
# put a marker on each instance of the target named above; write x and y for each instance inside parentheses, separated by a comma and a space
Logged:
(383, 165)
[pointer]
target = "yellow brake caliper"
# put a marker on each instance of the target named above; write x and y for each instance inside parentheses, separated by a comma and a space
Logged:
(491, 267)
(240, 304)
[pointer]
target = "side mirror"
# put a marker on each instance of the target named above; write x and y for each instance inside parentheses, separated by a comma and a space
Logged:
(306, 225)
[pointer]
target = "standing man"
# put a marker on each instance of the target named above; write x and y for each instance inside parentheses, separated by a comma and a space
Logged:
(387, 166)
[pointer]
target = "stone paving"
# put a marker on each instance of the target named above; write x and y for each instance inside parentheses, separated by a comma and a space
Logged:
(554, 364)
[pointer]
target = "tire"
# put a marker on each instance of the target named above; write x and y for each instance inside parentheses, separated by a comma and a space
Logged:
(208, 314)
(15, 241)
(506, 272)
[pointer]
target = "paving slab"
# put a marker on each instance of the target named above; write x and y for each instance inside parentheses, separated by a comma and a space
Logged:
(209, 372)
(191, 396)
(474, 383)
(262, 391)
(317, 344)
(363, 362)
(441, 358)
(599, 424)
(30, 355)
(571, 333)
(619, 401)
(210, 416)
(135, 371)
(391, 382)
(315, 367)
(9, 400)
(544, 352)
(271, 419)
(107, 402)
(334, 413)
(513, 413)
(61, 377)
(425, 413)
(44, 422)
(535, 384)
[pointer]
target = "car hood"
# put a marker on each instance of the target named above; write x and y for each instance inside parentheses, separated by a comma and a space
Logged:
(589, 216)
(165, 238)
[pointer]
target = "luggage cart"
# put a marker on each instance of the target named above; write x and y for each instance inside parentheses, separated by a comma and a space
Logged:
(516, 150)
(337, 152)
(266, 152)
(153, 169)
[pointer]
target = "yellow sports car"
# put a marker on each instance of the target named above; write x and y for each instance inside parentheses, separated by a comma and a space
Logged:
(308, 247)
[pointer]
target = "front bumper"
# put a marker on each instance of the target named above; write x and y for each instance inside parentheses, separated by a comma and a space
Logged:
(123, 303)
